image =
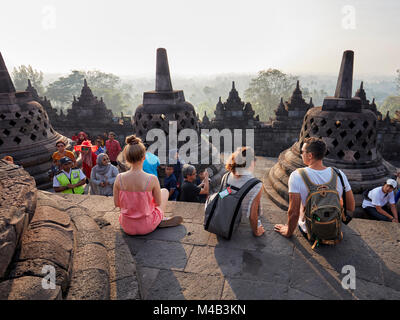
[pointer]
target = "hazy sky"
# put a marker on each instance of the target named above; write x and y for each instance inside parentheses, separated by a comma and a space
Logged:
(201, 37)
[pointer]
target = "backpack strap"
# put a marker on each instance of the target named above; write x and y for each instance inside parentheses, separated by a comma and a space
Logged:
(306, 179)
(345, 218)
(224, 181)
(244, 191)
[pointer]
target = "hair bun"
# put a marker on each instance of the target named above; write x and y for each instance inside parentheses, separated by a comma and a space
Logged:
(133, 140)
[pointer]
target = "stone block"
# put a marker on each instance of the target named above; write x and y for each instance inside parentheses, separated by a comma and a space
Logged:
(90, 284)
(50, 214)
(85, 223)
(8, 243)
(91, 256)
(112, 238)
(58, 238)
(121, 263)
(27, 288)
(239, 289)
(215, 261)
(48, 251)
(146, 277)
(34, 267)
(175, 285)
(163, 255)
(125, 289)
(96, 203)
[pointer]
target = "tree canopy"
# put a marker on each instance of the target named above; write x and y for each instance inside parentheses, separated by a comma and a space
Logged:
(21, 75)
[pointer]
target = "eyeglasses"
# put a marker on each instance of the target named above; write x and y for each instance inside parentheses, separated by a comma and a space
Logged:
(84, 148)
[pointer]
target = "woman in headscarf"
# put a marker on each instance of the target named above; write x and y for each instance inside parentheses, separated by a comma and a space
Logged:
(103, 176)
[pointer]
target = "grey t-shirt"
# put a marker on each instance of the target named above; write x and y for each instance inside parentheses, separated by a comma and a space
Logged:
(239, 181)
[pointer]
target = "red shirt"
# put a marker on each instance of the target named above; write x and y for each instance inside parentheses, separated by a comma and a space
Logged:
(113, 149)
(88, 170)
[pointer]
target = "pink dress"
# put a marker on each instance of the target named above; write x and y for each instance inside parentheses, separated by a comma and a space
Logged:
(138, 211)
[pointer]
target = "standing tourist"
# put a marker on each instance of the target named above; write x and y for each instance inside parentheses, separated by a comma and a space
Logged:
(88, 156)
(138, 194)
(113, 148)
(103, 176)
(61, 153)
(100, 147)
(69, 180)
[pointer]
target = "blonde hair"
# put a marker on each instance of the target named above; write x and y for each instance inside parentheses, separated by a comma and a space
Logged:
(134, 150)
(238, 159)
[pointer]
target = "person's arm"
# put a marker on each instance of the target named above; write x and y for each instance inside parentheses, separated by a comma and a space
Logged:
(93, 176)
(257, 230)
(205, 189)
(293, 216)
(394, 212)
(350, 203)
(116, 189)
(114, 173)
(80, 183)
(156, 190)
(383, 212)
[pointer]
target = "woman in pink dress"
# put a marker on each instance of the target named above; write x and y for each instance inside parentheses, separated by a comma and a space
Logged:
(139, 196)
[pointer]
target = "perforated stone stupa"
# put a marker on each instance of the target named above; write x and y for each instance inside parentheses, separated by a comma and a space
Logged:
(350, 134)
(164, 104)
(25, 130)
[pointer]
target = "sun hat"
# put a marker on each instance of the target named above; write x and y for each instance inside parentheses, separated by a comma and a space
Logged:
(392, 183)
(86, 144)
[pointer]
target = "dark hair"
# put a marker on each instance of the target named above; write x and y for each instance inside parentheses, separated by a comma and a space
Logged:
(134, 150)
(238, 159)
(60, 141)
(315, 146)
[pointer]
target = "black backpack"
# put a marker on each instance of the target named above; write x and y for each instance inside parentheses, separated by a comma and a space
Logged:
(222, 215)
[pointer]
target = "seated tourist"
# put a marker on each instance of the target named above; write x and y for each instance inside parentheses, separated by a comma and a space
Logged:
(200, 183)
(241, 165)
(61, 153)
(376, 199)
(103, 176)
(151, 163)
(138, 194)
(190, 192)
(170, 182)
(69, 180)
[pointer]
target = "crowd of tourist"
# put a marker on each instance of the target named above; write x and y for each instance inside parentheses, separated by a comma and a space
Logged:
(142, 196)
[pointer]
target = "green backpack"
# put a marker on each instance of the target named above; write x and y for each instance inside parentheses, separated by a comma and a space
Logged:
(323, 212)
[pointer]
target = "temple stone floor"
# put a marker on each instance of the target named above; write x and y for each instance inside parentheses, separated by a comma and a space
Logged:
(186, 262)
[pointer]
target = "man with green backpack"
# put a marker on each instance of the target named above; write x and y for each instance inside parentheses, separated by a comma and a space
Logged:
(315, 197)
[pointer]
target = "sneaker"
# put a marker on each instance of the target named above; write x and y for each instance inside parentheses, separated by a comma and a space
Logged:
(171, 222)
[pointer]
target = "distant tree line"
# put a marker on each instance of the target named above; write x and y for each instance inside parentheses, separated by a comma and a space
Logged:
(263, 91)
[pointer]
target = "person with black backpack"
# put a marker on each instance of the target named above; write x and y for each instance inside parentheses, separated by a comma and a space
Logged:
(315, 193)
(239, 195)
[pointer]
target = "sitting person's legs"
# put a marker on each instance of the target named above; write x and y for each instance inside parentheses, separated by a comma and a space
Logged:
(372, 212)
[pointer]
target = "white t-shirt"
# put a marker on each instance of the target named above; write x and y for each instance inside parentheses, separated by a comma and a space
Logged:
(56, 183)
(378, 197)
(297, 185)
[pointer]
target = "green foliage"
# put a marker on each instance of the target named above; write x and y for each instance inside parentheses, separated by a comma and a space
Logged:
(398, 80)
(21, 75)
(391, 104)
(115, 95)
(62, 90)
(265, 91)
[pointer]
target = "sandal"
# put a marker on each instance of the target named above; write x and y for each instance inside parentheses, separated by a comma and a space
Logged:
(171, 222)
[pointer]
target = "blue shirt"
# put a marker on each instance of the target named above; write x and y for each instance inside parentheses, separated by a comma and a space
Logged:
(150, 164)
(170, 183)
(101, 150)
(396, 198)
